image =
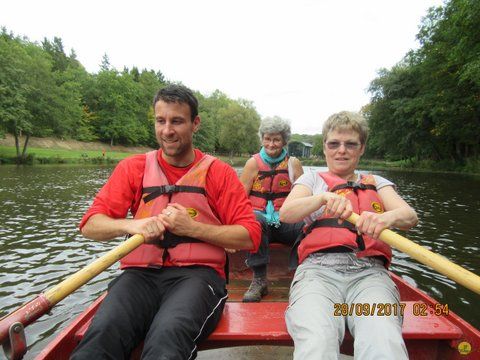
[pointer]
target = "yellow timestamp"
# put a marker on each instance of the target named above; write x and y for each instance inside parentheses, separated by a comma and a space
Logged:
(367, 309)
(424, 309)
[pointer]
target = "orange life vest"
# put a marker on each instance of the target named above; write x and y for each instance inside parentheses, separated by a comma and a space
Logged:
(325, 232)
(189, 191)
(270, 184)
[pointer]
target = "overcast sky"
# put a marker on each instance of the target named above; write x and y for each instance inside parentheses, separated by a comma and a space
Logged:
(302, 60)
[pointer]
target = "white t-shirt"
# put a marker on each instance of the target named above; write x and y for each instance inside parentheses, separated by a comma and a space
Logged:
(317, 185)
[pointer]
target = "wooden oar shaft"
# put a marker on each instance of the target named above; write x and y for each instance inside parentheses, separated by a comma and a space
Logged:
(72, 283)
(34, 309)
(437, 262)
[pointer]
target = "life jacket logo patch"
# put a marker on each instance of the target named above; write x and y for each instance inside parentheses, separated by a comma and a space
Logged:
(464, 348)
(257, 186)
(283, 183)
(343, 192)
(377, 207)
(192, 212)
(368, 180)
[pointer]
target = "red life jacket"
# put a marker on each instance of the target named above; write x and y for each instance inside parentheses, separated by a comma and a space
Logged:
(189, 191)
(270, 184)
(325, 232)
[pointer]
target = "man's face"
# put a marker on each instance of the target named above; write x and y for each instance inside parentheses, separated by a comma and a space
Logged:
(174, 130)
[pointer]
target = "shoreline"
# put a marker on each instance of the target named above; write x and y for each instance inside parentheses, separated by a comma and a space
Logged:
(42, 151)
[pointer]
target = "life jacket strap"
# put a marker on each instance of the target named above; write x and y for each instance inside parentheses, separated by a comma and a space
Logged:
(333, 222)
(262, 174)
(156, 191)
(269, 195)
(171, 240)
(355, 186)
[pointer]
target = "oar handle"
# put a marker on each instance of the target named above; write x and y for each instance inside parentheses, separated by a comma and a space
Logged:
(72, 283)
(32, 310)
(437, 262)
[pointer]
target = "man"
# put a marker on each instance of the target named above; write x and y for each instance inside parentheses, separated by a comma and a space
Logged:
(189, 207)
(267, 178)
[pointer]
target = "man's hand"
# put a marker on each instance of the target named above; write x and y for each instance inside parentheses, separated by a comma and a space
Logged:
(176, 219)
(152, 228)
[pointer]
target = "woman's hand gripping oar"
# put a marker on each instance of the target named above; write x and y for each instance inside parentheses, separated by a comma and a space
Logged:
(11, 326)
(437, 262)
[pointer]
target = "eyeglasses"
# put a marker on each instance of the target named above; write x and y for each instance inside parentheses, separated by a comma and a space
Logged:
(349, 145)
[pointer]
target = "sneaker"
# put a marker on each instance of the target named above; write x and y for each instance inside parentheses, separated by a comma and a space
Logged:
(258, 288)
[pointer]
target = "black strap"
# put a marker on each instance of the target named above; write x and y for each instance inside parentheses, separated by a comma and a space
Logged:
(227, 268)
(155, 191)
(329, 222)
(262, 174)
(355, 186)
(333, 222)
(269, 195)
(293, 258)
(171, 240)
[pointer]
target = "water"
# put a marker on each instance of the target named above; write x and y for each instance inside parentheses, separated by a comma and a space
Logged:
(40, 244)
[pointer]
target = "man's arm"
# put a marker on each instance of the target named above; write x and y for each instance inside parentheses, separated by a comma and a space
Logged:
(105, 219)
(102, 227)
(249, 173)
(228, 200)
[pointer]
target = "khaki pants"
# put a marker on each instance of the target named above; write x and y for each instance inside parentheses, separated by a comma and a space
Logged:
(324, 299)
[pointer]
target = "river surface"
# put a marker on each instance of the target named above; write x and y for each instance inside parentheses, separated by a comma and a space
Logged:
(40, 208)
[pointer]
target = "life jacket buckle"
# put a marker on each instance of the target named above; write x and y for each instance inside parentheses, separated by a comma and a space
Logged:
(170, 189)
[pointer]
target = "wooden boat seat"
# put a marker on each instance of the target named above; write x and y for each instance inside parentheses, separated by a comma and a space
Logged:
(251, 324)
(263, 323)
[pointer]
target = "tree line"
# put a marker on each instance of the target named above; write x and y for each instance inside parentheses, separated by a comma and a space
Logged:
(45, 92)
(427, 107)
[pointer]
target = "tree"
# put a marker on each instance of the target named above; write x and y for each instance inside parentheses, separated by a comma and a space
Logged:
(239, 126)
(14, 88)
(428, 105)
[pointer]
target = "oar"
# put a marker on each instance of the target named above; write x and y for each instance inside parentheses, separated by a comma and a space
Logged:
(42, 304)
(437, 262)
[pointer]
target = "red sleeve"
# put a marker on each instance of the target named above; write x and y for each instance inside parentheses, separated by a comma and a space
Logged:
(121, 192)
(226, 195)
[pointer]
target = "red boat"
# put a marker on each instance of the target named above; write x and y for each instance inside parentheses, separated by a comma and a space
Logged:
(430, 329)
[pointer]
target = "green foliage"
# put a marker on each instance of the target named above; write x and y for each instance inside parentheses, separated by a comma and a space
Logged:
(427, 107)
(239, 123)
(45, 92)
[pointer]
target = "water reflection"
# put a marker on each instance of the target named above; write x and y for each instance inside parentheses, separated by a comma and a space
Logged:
(40, 244)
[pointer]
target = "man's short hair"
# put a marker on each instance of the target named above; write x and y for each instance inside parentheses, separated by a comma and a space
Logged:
(176, 93)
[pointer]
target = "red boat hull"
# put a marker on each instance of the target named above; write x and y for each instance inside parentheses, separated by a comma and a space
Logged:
(428, 331)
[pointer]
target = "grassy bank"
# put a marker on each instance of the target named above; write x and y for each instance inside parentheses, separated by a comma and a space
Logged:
(8, 155)
(71, 156)
(38, 156)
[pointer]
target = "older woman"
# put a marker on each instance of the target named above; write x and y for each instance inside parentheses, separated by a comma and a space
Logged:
(339, 263)
(268, 177)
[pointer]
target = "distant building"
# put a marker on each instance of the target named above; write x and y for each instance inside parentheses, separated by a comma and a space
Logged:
(300, 149)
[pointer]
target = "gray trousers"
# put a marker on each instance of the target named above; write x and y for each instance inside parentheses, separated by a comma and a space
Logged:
(320, 306)
(284, 234)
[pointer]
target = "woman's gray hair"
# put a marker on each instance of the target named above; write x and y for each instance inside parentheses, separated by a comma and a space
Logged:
(345, 121)
(275, 125)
